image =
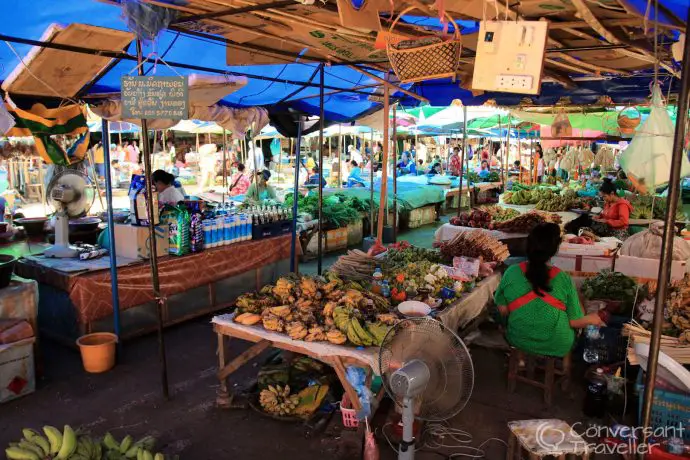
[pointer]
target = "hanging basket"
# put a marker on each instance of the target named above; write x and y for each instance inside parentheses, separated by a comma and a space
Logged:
(424, 58)
(561, 126)
(626, 124)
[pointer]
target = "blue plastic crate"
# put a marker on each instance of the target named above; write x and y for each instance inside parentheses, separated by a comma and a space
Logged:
(669, 409)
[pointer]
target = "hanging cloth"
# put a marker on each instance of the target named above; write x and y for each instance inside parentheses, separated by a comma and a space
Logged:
(647, 160)
(43, 124)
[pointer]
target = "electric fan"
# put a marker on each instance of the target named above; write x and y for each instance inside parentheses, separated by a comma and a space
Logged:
(427, 371)
(71, 193)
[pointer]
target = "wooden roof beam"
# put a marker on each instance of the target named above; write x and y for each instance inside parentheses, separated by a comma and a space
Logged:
(233, 11)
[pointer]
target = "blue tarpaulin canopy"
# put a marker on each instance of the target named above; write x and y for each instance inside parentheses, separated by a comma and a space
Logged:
(294, 85)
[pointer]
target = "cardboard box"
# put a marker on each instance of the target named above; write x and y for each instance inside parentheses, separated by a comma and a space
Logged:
(355, 233)
(133, 242)
(17, 372)
(572, 263)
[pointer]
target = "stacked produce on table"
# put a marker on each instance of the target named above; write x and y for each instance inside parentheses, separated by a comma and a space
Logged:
(338, 210)
(484, 217)
(68, 444)
(524, 223)
(651, 207)
(493, 176)
(476, 245)
(312, 310)
(678, 310)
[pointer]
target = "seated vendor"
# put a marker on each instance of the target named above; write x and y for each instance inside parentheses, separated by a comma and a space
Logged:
(260, 190)
(355, 177)
(406, 165)
(539, 302)
(435, 169)
(164, 183)
(614, 219)
(315, 177)
(484, 170)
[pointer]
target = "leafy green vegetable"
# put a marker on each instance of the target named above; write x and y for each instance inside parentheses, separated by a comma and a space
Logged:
(338, 209)
(608, 285)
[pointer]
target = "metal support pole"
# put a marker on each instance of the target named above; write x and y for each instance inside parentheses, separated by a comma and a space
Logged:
(462, 157)
(321, 126)
(371, 187)
(295, 193)
(500, 144)
(667, 242)
(225, 169)
(160, 301)
(111, 230)
(340, 153)
(395, 175)
(384, 164)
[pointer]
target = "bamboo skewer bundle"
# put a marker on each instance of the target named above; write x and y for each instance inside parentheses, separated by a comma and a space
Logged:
(669, 345)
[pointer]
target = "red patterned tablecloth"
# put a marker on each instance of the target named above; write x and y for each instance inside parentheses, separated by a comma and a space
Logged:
(91, 293)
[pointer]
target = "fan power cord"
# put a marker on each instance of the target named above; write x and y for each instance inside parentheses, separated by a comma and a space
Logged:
(442, 436)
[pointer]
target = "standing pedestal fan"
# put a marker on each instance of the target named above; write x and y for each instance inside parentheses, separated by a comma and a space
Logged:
(71, 193)
(427, 371)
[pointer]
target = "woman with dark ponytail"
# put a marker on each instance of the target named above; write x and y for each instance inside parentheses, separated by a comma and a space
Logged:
(540, 301)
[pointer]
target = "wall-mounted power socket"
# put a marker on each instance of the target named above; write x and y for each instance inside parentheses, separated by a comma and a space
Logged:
(521, 82)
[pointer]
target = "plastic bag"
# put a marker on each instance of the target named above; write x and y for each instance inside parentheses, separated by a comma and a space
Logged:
(647, 244)
(647, 160)
(371, 450)
(357, 378)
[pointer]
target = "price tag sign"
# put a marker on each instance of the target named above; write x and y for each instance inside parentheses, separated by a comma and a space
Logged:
(467, 266)
(155, 98)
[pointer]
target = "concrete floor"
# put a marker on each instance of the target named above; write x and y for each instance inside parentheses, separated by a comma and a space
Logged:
(128, 400)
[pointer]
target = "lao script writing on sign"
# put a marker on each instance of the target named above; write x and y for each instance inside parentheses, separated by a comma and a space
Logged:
(155, 97)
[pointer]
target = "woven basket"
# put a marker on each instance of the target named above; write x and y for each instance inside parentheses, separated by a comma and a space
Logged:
(426, 61)
(626, 124)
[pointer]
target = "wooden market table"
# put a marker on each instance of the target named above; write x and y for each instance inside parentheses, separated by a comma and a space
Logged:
(336, 356)
(74, 303)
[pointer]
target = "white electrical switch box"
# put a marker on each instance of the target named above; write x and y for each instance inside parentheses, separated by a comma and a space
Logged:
(510, 56)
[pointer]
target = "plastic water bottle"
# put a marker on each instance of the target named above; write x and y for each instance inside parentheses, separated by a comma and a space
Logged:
(227, 229)
(385, 289)
(248, 227)
(217, 231)
(596, 398)
(592, 339)
(208, 233)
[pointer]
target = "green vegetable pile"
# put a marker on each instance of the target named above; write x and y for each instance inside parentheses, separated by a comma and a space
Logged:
(523, 197)
(492, 177)
(397, 259)
(338, 210)
(643, 209)
(608, 285)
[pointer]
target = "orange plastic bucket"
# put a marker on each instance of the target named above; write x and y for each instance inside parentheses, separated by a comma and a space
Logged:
(97, 351)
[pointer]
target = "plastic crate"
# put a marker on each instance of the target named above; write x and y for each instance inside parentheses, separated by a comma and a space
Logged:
(669, 409)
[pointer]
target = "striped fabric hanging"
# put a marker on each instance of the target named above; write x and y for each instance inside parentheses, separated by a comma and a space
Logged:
(45, 124)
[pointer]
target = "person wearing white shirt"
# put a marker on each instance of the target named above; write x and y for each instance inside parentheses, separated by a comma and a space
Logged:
(355, 154)
(255, 160)
(164, 183)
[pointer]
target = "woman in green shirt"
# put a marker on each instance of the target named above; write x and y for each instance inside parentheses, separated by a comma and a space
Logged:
(260, 191)
(541, 302)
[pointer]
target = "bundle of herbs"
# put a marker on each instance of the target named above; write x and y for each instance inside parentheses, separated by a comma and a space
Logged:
(608, 285)
(338, 210)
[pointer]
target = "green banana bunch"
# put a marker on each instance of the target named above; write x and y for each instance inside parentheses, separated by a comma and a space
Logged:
(358, 335)
(341, 316)
(378, 331)
(55, 444)
(127, 448)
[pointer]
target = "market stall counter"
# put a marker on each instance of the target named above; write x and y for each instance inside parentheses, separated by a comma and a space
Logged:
(471, 305)
(75, 303)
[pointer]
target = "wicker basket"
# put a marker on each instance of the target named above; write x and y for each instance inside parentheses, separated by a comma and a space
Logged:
(426, 61)
(626, 124)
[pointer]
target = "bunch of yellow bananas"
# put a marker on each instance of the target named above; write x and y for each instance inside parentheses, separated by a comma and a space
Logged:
(278, 400)
(55, 444)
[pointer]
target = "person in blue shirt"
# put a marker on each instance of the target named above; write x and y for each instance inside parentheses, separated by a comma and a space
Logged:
(406, 165)
(435, 169)
(484, 171)
(315, 177)
(355, 177)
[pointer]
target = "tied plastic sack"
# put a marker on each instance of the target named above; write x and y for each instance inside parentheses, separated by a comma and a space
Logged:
(647, 244)
(647, 160)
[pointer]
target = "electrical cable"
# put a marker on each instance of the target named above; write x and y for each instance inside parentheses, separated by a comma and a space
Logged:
(435, 435)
